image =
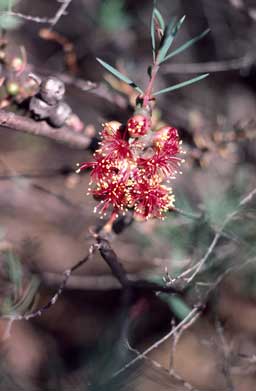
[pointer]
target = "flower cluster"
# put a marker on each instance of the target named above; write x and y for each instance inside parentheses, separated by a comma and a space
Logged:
(132, 168)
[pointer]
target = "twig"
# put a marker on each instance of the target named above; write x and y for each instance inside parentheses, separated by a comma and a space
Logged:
(178, 335)
(31, 18)
(142, 355)
(52, 21)
(217, 236)
(190, 215)
(99, 282)
(61, 11)
(219, 66)
(225, 355)
(40, 128)
(67, 273)
(119, 272)
(51, 173)
(229, 270)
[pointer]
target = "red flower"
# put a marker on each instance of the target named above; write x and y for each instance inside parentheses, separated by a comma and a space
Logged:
(167, 139)
(123, 179)
(150, 199)
(138, 125)
(101, 168)
(163, 162)
(113, 144)
(112, 194)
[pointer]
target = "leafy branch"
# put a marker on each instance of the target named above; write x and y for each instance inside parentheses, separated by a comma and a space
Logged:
(162, 38)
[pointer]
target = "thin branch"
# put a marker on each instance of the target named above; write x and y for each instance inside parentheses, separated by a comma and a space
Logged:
(188, 318)
(190, 215)
(100, 90)
(63, 135)
(30, 18)
(119, 272)
(98, 282)
(67, 273)
(225, 353)
(61, 11)
(217, 236)
(52, 21)
(212, 66)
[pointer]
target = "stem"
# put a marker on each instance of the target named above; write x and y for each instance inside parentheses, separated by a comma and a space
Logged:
(108, 226)
(148, 92)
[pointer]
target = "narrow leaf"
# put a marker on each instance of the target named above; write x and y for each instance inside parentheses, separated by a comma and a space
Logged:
(169, 35)
(178, 25)
(186, 45)
(159, 18)
(152, 31)
(180, 85)
(119, 75)
(176, 304)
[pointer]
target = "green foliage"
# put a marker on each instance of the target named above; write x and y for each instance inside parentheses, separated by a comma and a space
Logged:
(113, 16)
(180, 85)
(176, 304)
(17, 303)
(119, 75)
(169, 34)
(156, 19)
(14, 270)
(187, 44)
(160, 54)
(8, 22)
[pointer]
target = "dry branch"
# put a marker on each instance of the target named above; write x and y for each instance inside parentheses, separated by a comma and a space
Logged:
(63, 135)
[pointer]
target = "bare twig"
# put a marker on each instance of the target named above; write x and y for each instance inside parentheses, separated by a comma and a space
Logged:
(67, 273)
(52, 21)
(119, 272)
(213, 66)
(63, 135)
(61, 11)
(198, 267)
(188, 318)
(177, 336)
(225, 353)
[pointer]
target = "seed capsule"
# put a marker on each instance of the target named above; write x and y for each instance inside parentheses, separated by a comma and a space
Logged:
(52, 90)
(59, 114)
(39, 108)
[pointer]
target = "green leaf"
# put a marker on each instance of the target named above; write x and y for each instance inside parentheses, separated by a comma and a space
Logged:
(113, 16)
(178, 25)
(152, 31)
(186, 45)
(180, 85)
(159, 18)
(176, 304)
(9, 22)
(156, 16)
(119, 75)
(14, 270)
(169, 35)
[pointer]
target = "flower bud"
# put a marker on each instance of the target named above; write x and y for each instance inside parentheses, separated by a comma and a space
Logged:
(166, 133)
(17, 64)
(12, 88)
(138, 125)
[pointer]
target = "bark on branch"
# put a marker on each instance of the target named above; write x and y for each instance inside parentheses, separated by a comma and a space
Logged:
(64, 135)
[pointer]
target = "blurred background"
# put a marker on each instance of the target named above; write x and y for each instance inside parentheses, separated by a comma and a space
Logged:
(46, 218)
